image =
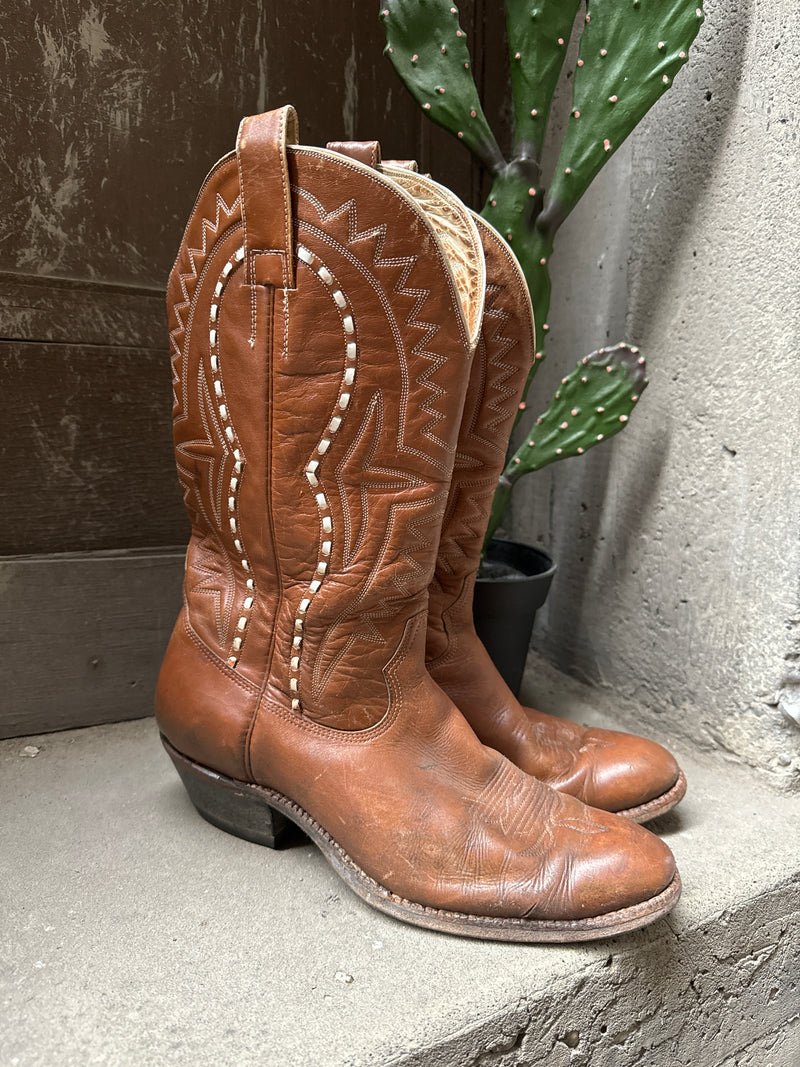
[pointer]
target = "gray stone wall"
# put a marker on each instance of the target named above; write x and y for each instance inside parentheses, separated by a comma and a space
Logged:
(678, 541)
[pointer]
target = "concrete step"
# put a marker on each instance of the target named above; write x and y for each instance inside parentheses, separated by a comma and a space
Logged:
(135, 933)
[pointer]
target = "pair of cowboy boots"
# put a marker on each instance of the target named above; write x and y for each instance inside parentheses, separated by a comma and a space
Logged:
(349, 343)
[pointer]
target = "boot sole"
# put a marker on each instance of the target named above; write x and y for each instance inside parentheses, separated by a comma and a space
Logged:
(266, 817)
(659, 805)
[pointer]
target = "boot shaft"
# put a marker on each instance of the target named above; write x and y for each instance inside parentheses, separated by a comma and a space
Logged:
(504, 354)
(322, 324)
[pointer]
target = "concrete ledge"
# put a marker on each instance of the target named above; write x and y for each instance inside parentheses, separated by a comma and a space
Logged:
(135, 933)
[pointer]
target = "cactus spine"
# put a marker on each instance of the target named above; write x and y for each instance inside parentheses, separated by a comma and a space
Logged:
(628, 55)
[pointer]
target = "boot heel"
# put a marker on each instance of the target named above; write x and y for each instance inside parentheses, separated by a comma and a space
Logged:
(236, 807)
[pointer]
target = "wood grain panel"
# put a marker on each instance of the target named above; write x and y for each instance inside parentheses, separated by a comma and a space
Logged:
(82, 637)
(33, 308)
(86, 450)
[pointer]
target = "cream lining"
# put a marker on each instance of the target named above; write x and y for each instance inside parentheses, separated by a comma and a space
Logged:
(458, 235)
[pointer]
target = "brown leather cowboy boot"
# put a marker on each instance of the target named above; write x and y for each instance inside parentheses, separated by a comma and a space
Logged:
(616, 771)
(322, 324)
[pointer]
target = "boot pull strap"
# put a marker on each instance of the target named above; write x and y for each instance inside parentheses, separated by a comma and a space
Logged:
(368, 152)
(404, 164)
(266, 196)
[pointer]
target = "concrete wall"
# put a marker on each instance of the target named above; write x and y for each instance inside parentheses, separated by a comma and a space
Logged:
(678, 541)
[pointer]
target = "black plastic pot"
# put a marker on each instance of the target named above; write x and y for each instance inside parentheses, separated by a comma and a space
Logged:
(504, 607)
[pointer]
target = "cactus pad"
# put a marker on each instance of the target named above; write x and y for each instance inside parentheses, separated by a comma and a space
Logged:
(538, 35)
(592, 403)
(630, 52)
(428, 49)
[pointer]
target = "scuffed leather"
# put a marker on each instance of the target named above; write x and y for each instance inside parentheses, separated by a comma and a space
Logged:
(368, 745)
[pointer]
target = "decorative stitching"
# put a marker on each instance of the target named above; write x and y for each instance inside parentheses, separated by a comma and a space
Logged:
(215, 370)
(429, 329)
(195, 255)
(214, 660)
(312, 468)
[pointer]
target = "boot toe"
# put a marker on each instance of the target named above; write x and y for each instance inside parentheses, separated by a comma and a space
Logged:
(634, 867)
(626, 770)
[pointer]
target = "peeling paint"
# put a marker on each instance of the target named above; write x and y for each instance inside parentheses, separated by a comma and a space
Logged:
(350, 100)
(92, 35)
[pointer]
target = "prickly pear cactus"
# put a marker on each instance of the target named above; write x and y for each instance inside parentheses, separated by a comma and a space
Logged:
(592, 404)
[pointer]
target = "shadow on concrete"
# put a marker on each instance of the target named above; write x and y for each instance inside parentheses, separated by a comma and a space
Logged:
(716, 63)
(589, 555)
(668, 825)
(685, 154)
